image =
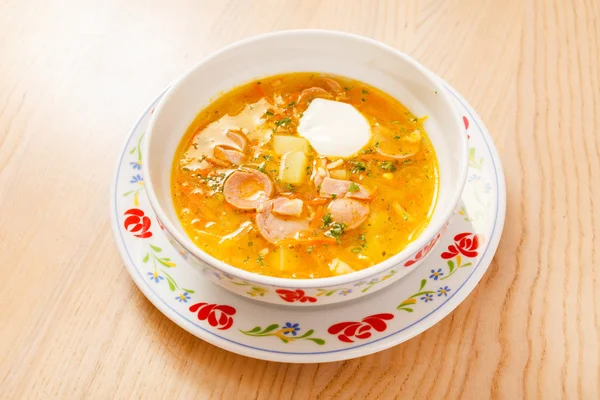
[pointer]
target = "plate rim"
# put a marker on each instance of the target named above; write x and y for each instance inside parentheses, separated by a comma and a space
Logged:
(415, 328)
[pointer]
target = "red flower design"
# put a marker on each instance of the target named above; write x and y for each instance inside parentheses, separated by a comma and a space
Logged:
(137, 223)
(292, 296)
(360, 330)
(219, 316)
(465, 244)
(423, 252)
(466, 122)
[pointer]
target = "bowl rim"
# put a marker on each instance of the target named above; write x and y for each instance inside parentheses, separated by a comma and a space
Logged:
(305, 283)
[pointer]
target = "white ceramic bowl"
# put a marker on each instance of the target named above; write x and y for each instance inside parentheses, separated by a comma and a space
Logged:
(316, 51)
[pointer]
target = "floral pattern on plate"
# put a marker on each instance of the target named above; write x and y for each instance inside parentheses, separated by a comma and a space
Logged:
(340, 331)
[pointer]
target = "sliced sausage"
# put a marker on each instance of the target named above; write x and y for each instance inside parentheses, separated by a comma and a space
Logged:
(224, 153)
(239, 139)
(275, 228)
(289, 207)
(247, 189)
(314, 92)
(349, 211)
(343, 188)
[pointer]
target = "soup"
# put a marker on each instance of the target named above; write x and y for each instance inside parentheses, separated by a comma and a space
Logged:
(304, 175)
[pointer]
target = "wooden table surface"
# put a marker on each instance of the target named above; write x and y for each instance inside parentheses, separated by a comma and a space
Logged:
(76, 74)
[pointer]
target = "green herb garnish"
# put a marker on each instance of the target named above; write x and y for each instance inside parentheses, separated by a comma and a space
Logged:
(364, 91)
(283, 121)
(388, 166)
(292, 104)
(353, 187)
(358, 167)
(327, 219)
(356, 250)
(336, 230)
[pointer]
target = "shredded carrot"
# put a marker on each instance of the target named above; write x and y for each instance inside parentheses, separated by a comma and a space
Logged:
(317, 201)
(308, 240)
(314, 224)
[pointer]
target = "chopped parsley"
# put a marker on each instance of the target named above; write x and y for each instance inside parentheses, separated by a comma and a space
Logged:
(356, 250)
(290, 187)
(347, 87)
(250, 243)
(262, 167)
(269, 113)
(283, 121)
(333, 196)
(364, 91)
(397, 137)
(358, 167)
(377, 144)
(327, 219)
(407, 161)
(267, 157)
(292, 104)
(246, 259)
(388, 166)
(309, 249)
(260, 260)
(336, 230)
(353, 187)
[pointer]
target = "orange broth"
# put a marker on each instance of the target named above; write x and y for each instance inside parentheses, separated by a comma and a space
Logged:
(398, 168)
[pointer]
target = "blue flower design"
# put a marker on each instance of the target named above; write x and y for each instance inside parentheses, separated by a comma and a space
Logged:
(183, 297)
(136, 179)
(474, 178)
(154, 276)
(435, 275)
(295, 327)
(443, 291)
(427, 298)
(345, 292)
(136, 165)
(373, 281)
(217, 275)
(358, 284)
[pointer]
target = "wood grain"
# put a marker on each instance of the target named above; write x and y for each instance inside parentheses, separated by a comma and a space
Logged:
(75, 75)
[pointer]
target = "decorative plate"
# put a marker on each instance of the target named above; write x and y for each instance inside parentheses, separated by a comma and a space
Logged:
(314, 334)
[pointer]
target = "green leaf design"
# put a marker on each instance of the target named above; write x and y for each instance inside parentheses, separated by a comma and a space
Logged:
(163, 262)
(284, 340)
(270, 328)
(132, 150)
(308, 333)
(254, 330)
(320, 342)
(405, 309)
(156, 248)
(466, 265)
(423, 282)
(146, 258)
(171, 284)
(128, 193)
(190, 291)
(451, 265)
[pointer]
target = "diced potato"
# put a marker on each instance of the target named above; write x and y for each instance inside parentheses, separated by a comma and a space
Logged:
(388, 175)
(338, 174)
(339, 267)
(283, 144)
(293, 168)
